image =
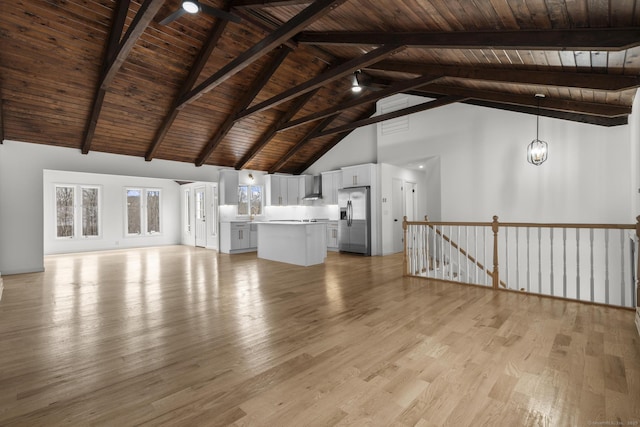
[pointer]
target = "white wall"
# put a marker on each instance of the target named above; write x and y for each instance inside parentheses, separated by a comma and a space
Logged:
(481, 157)
(484, 171)
(359, 147)
(112, 215)
(634, 158)
(21, 192)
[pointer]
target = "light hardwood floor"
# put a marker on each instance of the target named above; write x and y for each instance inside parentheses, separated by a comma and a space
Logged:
(186, 336)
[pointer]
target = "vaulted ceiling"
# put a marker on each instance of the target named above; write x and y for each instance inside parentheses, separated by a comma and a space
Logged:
(272, 91)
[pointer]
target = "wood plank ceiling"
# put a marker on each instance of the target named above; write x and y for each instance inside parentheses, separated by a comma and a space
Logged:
(272, 92)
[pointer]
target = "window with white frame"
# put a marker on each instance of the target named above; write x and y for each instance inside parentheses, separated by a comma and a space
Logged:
(249, 200)
(143, 207)
(77, 212)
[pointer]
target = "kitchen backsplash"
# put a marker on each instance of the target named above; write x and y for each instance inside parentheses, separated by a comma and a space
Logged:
(229, 213)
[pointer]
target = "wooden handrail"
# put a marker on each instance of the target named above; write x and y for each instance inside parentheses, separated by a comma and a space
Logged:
(495, 227)
(528, 224)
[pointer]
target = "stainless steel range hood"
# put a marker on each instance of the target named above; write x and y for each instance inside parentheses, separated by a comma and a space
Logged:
(314, 192)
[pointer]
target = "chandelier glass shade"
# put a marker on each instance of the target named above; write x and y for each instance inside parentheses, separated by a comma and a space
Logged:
(538, 150)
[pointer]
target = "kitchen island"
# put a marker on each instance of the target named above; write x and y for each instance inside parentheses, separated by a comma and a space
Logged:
(293, 242)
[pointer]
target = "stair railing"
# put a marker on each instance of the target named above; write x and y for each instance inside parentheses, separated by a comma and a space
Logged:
(598, 263)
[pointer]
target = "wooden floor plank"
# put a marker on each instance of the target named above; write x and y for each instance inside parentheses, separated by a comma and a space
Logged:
(186, 336)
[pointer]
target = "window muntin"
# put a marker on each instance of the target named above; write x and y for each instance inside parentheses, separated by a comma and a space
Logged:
(153, 211)
(249, 200)
(143, 211)
(77, 211)
(90, 211)
(134, 211)
(65, 211)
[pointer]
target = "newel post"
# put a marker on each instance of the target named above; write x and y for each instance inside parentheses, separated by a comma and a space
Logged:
(496, 275)
(405, 267)
(638, 267)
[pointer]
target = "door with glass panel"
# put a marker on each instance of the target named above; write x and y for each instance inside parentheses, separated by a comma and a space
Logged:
(201, 217)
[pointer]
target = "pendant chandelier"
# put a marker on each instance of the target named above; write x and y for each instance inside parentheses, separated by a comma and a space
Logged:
(537, 151)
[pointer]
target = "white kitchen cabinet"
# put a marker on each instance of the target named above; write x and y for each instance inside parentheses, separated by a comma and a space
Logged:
(331, 183)
(356, 176)
(228, 187)
(293, 190)
(332, 236)
(253, 233)
(235, 237)
(284, 190)
(276, 190)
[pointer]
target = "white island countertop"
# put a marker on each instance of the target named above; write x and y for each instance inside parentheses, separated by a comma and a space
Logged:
(294, 242)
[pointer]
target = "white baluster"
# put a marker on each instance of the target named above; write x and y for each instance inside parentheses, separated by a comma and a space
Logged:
(528, 259)
(577, 263)
(506, 254)
(475, 250)
(551, 255)
(449, 269)
(518, 258)
(539, 260)
(459, 253)
(442, 252)
(623, 293)
(606, 266)
(466, 246)
(591, 281)
(484, 255)
(564, 262)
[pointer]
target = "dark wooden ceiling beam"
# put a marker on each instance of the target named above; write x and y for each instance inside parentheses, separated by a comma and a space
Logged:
(440, 102)
(310, 14)
(111, 52)
(256, 86)
(326, 147)
(271, 132)
(293, 150)
(263, 24)
(595, 81)
(139, 24)
(242, 4)
(572, 39)
(201, 60)
(562, 115)
(372, 97)
(119, 19)
(569, 106)
(334, 73)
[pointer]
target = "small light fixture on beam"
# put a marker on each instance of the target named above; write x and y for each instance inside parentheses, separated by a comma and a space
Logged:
(355, 85)
(538, 150)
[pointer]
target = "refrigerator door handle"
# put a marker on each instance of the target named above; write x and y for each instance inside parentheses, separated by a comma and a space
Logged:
(349, 213)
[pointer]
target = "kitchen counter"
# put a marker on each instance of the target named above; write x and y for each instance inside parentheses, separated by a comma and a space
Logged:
(293, 242)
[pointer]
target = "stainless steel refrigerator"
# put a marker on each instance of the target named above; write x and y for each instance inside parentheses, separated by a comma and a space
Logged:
(354, 227)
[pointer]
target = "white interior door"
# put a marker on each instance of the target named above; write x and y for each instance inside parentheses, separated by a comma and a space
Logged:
(201, 217)
(397, 211)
